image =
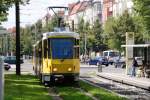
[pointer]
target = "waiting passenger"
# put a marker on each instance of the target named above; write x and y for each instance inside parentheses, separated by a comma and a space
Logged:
(134, 65)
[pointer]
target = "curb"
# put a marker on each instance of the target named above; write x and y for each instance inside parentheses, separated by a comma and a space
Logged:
(132, 82)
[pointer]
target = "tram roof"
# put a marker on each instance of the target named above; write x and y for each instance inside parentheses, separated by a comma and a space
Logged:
(136, 45)
(64, 33)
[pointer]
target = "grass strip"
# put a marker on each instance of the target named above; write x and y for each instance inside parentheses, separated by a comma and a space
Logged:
(100, 93)
(70, 93)
(24, 87)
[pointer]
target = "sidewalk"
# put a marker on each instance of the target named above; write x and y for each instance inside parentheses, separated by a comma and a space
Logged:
(118, 74)
(86, 65)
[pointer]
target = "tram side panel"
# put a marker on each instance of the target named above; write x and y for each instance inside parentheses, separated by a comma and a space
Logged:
(76, 59)
(45, 71)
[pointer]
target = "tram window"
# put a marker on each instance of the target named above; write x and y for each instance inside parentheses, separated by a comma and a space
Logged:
(49, 50)
(76, 51)
(76, 41)
(45, 48)
(62, 48)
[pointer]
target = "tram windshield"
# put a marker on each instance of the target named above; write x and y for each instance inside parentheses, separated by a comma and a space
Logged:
(62, 48)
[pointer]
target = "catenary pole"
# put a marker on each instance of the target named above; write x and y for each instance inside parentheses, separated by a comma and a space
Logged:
(17, 38)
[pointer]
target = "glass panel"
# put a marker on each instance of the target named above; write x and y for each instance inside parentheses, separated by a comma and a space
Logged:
(105, 53)
(45, 48)
(114, 54)
(62, 48)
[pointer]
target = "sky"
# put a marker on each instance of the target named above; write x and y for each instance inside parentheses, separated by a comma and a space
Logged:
(29, 14)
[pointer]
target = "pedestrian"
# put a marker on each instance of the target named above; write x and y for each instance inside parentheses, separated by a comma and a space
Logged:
(134, 65)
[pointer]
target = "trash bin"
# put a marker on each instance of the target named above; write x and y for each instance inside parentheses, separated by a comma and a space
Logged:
(99, 68)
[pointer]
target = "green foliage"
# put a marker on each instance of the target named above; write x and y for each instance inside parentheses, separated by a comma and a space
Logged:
(31, 34)
(115, 30)
(51, 25)
(5, 5)
(27, 40)
(142, 8)
(98, 31)
(93, 35)
(81, 27)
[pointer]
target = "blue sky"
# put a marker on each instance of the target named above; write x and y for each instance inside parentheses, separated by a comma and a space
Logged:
(29, 14)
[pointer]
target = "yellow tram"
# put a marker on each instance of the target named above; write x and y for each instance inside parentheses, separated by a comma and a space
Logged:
(56, 56)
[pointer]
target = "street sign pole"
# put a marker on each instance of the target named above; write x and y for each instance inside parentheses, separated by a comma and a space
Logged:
(1, 80)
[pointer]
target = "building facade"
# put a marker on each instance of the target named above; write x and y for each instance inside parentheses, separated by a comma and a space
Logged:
(107, 9)
(90, 11)
(120, 6)
(115, 8)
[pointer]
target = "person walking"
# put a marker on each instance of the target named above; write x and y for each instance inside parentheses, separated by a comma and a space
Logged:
(134, 65)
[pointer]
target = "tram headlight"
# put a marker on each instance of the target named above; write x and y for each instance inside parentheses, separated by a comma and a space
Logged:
(54, 69)
(69, 69)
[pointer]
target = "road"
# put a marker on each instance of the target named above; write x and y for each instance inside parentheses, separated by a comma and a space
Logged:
(88, 69)
(26, 68)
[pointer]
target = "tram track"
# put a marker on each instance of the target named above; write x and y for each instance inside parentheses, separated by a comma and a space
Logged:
(58, 92)
(124, 90)
(82, 91)
(55, 93)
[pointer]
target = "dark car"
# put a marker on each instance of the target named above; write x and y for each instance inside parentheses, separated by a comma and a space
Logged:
(7, 66)
(99, 60)
(11, 60)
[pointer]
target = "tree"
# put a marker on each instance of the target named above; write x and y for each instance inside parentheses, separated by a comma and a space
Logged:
(98, 32)
(27, 40)
(142, 8)
(51, 24)
(116, 29)
(111, 30)
(80, 30)
(4, 7)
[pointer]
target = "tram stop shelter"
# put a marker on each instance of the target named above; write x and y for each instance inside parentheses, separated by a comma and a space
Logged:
(145, 48)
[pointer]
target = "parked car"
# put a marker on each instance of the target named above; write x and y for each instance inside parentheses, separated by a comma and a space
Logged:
(120, 62)
(11, 60)
(111, 55)
(99, 60)
(7, 66)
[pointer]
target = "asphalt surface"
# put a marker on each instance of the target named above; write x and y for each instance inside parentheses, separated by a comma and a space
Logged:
(26, 68)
